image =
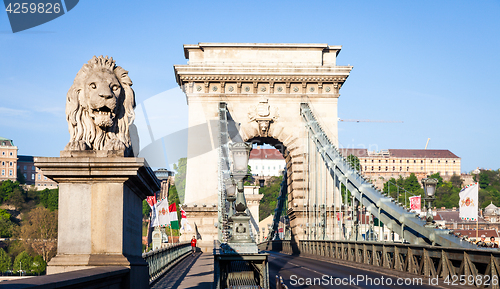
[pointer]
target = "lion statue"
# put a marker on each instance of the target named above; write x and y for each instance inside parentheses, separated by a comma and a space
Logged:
(100, 107)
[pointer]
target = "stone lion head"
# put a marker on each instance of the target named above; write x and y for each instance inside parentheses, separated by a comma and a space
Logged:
(100, 107)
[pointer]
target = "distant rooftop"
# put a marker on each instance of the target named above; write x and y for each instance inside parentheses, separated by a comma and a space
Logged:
(6, 142)
(270, 154)
(400, 153)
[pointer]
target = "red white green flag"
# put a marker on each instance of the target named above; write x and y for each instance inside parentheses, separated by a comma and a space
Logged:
(174, 222)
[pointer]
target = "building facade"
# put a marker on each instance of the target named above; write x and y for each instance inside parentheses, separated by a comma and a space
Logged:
(33, 175)
(393, 163)
(8, 160)
(266, 162)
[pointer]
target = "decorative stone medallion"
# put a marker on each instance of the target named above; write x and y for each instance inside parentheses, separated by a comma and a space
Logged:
(198, 88)
(328, 89)
(295, 88)
(280, 89)
(311, 89)
(247, 88)
(231, 88)
(263, 89)
(214, 88)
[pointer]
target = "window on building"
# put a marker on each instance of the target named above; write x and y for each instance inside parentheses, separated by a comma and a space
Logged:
(400, 169)
(431, 161)
(379, 168)
(274, 167)
(407, 169)
(32, 176)
(10, 153)
(33, 168)
(445, 173)
(39, 176)
(25, 176)
(372, 168)
(386, 169)
(446, 162)
(379, 161)
(407, 161)
(269, 167)
(256, 167)
(25, 168)
(3, 163)
(421, 168)
(393, 168)
(400, 161)
(439, 161)
(45, 178)
(10, 173)
(414, 161)
(3, 153)
(10, 164)
(386, 161)
(3, 172)
(453, 161)
(372, 161)
(422, 161)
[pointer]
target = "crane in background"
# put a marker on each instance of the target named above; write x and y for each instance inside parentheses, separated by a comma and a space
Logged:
(369, 120)
(427, 143)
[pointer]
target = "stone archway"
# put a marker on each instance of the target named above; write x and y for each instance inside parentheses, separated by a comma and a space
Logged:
(263, 86)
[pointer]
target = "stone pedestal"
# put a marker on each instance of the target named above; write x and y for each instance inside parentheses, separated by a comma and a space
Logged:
(100, 210)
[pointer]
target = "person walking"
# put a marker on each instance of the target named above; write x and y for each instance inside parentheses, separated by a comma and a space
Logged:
(193, 245)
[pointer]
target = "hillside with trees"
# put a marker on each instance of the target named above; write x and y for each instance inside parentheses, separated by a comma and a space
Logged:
(28, 222)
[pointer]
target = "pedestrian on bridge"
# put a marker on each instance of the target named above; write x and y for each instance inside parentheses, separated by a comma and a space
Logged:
(193, 245)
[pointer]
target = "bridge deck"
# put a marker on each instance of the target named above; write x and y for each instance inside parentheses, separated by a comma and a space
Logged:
(192, 272)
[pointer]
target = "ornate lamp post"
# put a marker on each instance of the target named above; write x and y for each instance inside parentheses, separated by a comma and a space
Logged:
(429, 189)
(239, 171)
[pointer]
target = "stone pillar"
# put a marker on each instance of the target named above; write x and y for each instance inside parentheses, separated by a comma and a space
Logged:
(100, 210)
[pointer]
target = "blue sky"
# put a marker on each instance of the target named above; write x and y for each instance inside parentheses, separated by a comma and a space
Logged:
(432, 64)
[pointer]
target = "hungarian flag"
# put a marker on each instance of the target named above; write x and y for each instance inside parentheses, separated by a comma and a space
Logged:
(469, 202)
(174, 222)
(184, 222)
(415, 203)
(154, 216)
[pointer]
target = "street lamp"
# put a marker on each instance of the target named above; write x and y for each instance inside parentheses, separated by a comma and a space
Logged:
(239, 171)
(429, 189)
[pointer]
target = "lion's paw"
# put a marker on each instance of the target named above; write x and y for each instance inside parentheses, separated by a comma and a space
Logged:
(114, 145)
(78, 145)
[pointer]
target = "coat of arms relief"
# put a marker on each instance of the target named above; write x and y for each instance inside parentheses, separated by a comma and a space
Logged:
(263, 115)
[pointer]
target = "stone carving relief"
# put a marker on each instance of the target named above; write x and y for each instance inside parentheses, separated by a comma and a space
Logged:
(263, 115)
(100, 108)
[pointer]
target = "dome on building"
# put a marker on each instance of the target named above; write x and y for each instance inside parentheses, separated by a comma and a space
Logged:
(490, 209)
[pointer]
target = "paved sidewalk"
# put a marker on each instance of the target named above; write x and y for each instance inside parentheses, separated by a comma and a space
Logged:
(192, 272)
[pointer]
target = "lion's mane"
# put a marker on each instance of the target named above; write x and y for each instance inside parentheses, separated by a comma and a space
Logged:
(84, 134)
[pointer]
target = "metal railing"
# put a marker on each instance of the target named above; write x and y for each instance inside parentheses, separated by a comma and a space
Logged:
(397, 218)
(161, 260)
(279, 283)
(473, 267)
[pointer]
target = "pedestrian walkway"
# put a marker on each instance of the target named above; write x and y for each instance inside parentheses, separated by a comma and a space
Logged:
(192, 272)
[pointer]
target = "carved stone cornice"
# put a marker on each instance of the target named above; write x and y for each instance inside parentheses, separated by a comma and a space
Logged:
(258, 78)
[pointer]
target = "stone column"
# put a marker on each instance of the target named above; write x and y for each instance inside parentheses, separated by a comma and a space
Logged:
(100, 210)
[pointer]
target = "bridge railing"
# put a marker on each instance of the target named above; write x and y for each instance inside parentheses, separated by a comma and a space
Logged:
(161, 260)
(457, 266)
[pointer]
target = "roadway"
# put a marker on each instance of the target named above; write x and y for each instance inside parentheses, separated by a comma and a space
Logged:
(300, 272)
(318, 272)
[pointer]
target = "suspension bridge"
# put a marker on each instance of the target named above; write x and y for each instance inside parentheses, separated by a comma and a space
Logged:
(338, 228)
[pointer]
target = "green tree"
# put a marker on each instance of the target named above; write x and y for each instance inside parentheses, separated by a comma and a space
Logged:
(23, 262)
(180, 177)
(146, 209)
(17, 198)
(5, 261)
(6, 224)
(484, 180)
(39, 265)
(438, 177)
(411, 183)
(49, 198)
(354, 162)
(270, 198)
(456, 181)
(7, 188)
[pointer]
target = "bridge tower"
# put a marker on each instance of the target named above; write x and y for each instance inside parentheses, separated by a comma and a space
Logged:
(263, 86)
